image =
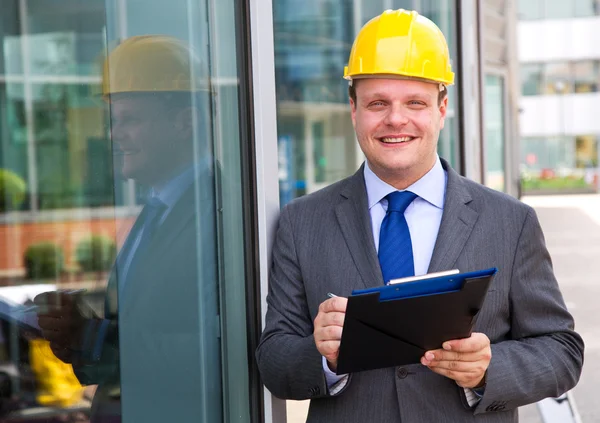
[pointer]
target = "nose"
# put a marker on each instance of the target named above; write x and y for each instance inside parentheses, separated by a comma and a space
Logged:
(396, 116)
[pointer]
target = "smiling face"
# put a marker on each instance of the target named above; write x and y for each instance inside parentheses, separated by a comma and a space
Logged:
(397, 123)
(148, 138)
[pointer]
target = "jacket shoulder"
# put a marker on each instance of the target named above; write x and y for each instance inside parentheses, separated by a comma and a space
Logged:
(483, 196)
(325, 197)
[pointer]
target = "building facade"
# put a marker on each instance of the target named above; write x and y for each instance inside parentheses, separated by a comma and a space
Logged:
(273, 124)
(560, 75)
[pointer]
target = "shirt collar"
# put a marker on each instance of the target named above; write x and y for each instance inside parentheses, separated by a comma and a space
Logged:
(431, 187)
(174, 189)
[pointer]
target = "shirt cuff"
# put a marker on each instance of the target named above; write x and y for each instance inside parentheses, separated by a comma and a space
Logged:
(335, 383)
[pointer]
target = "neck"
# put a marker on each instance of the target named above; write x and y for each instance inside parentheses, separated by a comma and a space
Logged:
(404, 178)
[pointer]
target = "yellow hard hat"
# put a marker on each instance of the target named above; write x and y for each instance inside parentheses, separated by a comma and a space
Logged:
(153, 63)
(400, 43)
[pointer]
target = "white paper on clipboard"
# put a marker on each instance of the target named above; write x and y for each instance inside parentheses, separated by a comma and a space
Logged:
(424, 277)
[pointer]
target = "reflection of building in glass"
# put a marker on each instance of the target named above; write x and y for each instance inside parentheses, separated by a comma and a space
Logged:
(499, 94)
(53, 126)
(560, 77)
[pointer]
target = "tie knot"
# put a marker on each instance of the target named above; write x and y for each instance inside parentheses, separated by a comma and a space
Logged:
(398, 201)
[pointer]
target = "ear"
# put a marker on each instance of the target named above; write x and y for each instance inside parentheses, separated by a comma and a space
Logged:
(353, 112)
(443, 111)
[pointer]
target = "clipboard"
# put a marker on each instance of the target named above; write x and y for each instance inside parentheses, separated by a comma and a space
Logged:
(395, 325)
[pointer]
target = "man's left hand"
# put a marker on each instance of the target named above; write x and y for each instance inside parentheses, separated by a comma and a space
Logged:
(462, 360)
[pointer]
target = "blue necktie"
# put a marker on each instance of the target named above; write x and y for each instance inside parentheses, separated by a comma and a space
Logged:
(149, 218)
(395, 246)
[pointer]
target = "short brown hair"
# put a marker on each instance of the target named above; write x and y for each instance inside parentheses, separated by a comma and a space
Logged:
(352, 92)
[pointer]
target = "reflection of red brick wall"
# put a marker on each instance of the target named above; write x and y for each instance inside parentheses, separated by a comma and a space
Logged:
(16, 237)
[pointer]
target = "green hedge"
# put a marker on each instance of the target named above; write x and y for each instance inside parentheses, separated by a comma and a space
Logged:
(44, 260)
(95, 253)
(556, 183)
(13, 190)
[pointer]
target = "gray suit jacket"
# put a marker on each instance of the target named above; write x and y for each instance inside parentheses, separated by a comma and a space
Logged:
(324, 244)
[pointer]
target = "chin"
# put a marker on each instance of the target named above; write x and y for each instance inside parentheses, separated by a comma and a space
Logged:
(399, 166)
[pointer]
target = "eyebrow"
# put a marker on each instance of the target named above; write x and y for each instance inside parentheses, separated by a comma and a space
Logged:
(409, 96)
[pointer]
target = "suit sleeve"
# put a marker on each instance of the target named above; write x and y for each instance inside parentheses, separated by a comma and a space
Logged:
(544, 355)
(287, 357)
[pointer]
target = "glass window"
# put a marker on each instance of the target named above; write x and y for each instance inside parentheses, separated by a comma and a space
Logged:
(73, 154)
(494, 133)
(558, 9)
(558, 78)
(586, 75)
(14, 175)
(531, 9)
(531, 79)
(443, 14)
(586, 151)
(11, 60)
(122, 273)
(370, 9)
(317, 143)
(65, 40)
(315, 132)
(585, 8)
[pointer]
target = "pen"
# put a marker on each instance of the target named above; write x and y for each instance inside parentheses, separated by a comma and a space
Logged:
(330, 295)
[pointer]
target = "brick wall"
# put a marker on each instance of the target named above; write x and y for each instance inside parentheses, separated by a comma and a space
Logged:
(16, 237)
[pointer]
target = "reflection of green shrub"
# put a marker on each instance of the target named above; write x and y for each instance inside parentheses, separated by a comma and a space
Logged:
(44, 260)
(95, 253)
(12, 191)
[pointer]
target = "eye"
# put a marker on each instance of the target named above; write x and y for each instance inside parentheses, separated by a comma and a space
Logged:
(376, 104)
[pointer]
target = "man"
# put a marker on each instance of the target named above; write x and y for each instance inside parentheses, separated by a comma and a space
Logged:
(155, 352)
(336, 240)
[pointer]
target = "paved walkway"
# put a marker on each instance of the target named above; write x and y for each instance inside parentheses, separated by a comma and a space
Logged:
(572, 228)
(571, 225)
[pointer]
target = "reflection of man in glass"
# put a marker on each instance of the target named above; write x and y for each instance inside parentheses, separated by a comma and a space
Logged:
(154, 354)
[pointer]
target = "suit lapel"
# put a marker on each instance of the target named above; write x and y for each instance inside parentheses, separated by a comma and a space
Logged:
(174, 223)
(151, 260)
(457, 223)
(355, 223)
(150, 265)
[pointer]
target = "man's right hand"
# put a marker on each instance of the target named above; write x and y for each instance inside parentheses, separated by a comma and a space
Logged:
(328, 329)
(61, 322)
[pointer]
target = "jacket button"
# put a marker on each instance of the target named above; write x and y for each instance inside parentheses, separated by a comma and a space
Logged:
(402, 373)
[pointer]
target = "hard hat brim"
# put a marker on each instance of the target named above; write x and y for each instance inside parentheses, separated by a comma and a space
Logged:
(395, 76)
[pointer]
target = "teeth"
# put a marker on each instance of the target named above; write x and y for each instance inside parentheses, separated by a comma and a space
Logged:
(397, 140)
